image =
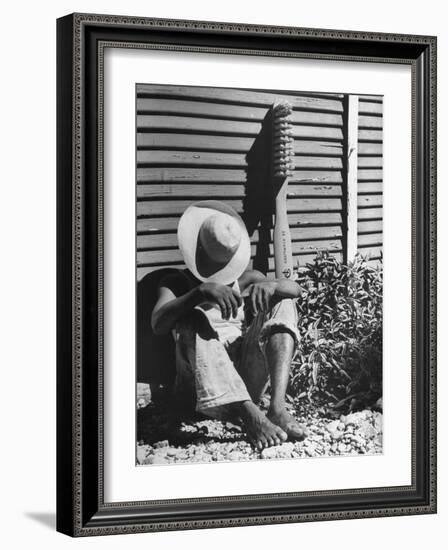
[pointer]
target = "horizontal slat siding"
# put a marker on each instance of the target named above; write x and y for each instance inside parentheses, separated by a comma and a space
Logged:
(301, 262)
(331, 103)
(370, 149)
(197, 190)
(370, 177)
(304, 220)
(224, 127)
(169, 240)
(369, 214)
(199, 143)
(193, 142)
(218, 160)
(366, 187)
(223, 175)
(177, 207)
(155, 106)
(165, 257)
(370, 162)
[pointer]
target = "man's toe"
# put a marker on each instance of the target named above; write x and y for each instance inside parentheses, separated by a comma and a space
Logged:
(282, 435)
(296, 431)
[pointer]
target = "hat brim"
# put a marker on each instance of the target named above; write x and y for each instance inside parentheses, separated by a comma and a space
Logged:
(187, 235)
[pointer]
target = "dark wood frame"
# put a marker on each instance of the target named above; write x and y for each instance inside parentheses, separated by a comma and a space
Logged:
(81, 39)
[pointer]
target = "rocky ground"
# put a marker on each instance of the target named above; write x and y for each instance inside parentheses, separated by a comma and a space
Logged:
(164, 439)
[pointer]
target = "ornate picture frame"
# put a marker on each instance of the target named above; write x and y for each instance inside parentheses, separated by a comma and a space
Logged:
(81, 43)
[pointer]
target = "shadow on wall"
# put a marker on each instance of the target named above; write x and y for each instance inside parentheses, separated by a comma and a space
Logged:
(258, 204)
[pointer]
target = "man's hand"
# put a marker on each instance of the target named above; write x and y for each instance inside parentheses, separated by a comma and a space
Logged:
(225, 297)
(260, 296)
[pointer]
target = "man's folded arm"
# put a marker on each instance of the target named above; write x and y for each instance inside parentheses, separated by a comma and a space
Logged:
(169, 309)
(284, 288)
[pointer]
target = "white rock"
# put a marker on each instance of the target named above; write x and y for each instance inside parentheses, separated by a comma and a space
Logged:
(160, 444)
(141, 454)
(367, 430)
(353, 419)
(143, 395)
(333, 427)
(270, 452)
(378, 423)
(358, 440)
(285, 450)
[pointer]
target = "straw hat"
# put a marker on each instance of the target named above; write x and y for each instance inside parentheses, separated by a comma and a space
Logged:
(214, 242)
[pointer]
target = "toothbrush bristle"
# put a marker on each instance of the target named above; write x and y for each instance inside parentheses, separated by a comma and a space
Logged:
(283, 141)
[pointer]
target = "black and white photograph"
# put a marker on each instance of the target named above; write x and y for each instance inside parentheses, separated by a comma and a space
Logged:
(246, 275)
(259, 274)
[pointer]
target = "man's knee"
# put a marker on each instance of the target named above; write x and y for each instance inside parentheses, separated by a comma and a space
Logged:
(281, 325)
(280, 340)
(281, 335)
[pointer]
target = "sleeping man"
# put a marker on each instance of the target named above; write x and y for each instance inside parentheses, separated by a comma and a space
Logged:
(235, 331)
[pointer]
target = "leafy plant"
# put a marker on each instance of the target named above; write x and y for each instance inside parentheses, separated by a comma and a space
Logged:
(339, 361)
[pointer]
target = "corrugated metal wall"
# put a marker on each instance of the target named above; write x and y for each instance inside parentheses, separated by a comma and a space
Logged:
(199, 143)
(370, 176)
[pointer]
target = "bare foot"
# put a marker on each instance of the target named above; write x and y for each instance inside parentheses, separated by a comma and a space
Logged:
(281, 417)
(261, 432)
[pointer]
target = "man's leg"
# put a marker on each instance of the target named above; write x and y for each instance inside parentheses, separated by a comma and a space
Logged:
(279, 352)
(203, 364)
(268, 351)
(220, 390)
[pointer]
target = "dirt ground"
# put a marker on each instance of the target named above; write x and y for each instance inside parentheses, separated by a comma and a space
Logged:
(166, 439)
